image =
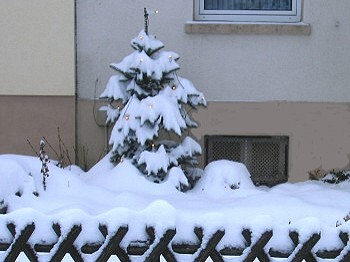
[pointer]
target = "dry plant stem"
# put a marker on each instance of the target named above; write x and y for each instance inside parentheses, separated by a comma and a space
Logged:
(31, 146)
(85, 153)
(65, 152)
(44, 158)
(51, 147)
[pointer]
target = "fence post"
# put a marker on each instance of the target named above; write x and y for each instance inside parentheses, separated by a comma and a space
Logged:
(209, 249)
(161, 247)
(257, 248)
(3, 207)
(346, 240)
(67, 244)
(20, 243)
(305, 251)
(112, 247)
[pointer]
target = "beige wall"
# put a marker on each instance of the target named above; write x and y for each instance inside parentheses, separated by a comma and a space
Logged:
(37, 75)
(92, 139)
(226, 67)
(257, 83)
(319, 133)
(38, 53)
(30, 118)
(37, 47)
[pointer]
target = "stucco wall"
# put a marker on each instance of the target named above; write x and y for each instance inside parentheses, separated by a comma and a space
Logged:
(37, 47)
(30, 118)
(257, 84)
(319, 133)
(233, 67)
(37, 75)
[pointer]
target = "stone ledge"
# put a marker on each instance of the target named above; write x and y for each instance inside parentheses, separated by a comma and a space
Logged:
(193, 27)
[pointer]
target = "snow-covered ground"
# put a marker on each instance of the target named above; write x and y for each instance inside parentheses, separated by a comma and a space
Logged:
(224, 198)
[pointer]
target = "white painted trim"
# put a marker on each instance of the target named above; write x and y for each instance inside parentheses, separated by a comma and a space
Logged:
(200, 14)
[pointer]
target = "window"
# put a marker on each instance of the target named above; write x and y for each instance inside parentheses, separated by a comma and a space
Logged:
(266, 157)
(248, 10)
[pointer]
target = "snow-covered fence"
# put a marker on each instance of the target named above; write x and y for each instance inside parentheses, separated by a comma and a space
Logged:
(164, 242)
(3, 207)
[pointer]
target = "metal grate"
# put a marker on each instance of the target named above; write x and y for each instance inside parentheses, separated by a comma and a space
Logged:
(266, 157)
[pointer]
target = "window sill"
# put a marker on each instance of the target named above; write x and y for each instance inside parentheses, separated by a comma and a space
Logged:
(199, 27)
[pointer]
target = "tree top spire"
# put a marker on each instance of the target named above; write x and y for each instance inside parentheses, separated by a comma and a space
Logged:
(146, 20)
(146, 14)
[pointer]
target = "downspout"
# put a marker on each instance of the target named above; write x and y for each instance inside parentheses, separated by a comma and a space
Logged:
(76, 85)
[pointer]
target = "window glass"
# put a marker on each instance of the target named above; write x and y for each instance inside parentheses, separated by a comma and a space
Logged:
(248, 10)
(285, 5)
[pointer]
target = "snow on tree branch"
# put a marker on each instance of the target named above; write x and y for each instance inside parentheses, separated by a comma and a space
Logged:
(153, 99)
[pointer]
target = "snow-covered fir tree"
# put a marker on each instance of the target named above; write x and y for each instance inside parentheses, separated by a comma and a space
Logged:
(147, 98)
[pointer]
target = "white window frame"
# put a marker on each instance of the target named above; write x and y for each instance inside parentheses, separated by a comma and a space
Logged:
(293, 16)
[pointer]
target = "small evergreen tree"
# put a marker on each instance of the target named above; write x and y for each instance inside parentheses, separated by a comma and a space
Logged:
(336, 177)
(147, 97)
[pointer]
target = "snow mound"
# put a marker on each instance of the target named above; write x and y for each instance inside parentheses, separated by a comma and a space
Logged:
(176, 178)
(14, 177)
(224, 176)
(125, 177)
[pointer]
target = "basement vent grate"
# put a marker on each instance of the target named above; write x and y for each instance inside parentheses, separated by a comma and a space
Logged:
(266, 157)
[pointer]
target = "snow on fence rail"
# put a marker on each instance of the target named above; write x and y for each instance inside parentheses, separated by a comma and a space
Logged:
(160, 241)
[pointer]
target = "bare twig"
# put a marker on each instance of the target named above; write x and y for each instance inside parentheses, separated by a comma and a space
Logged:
(53, 149)
(31, 146)
(84, 151)
(63, 151)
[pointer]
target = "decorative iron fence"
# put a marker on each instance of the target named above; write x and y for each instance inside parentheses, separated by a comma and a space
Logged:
(163, 244)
